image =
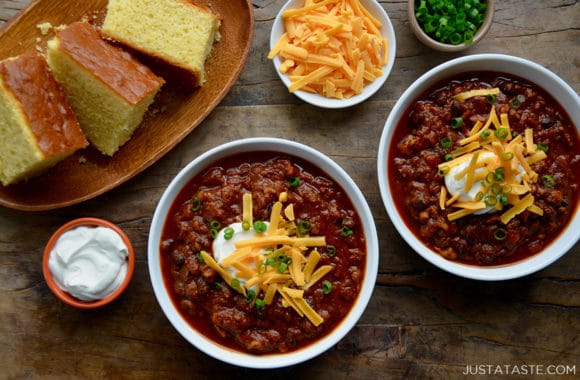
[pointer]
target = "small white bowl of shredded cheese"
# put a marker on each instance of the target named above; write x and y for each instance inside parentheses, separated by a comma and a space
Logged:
(348, 57)
(88, 262)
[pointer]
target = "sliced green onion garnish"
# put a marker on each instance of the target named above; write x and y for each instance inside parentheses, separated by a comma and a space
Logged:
(485, 134)
(304, 227)
(491, 99)
(446, 142)
(260, 226)
(548, 181)
(294, 181)
(260, 304)
(345, 231)
(215, 224)
(456, 122)
(500, 234)
(502, 133)
(326, 286)
(543, 147)
(228, 233)
(331, 250)
(195, 204)
(515, 103)
(250, 295)
(507, 156)
(490, 200)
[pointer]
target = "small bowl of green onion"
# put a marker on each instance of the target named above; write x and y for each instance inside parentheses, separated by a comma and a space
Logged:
(450, 25)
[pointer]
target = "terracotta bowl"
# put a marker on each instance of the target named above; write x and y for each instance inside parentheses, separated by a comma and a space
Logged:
(436, 45)
(65, 296)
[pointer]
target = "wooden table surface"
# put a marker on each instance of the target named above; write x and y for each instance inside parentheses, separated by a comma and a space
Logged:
(420, 323)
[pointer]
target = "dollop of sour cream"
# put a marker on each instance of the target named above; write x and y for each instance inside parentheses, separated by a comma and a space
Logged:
(223, 247)
(457, 186)
(90, 263)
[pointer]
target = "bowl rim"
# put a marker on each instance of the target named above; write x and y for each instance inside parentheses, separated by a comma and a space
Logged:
(370, 89)
(436, 45)
(500, 63)
(214, 349)
(63, 295)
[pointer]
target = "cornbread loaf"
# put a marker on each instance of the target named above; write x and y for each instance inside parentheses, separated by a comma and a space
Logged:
(37, 126)
(108, 89)
(180, 33)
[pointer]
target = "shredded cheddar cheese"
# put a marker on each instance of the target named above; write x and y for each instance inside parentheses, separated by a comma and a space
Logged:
(276, 262)
(495, 161)
(331, 47)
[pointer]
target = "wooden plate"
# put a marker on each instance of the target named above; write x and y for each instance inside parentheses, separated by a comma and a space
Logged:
(175, 114)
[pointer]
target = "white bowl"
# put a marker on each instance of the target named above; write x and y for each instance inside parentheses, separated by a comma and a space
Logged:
(205, 344)
(388, 33)
(522, 68)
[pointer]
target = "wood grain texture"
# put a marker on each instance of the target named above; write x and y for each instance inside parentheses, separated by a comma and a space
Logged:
(421, 323)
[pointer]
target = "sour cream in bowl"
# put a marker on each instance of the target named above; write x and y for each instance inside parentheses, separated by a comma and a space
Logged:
(88, 262)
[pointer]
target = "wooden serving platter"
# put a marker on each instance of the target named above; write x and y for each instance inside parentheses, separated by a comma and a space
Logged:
(174, 114)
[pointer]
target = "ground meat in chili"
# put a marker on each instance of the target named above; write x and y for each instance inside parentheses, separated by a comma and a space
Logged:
(219, 312)
(418, 150)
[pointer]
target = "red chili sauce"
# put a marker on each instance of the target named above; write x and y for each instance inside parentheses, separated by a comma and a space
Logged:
(221, 313)
(417, 152)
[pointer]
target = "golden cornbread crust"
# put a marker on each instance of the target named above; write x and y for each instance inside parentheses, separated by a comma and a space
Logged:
(108, 89)
(179, 33)
(113, 66)
(37, 126)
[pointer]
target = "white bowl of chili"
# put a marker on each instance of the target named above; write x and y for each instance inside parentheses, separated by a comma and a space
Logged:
(327, 58)
(535, 233)
(222, 314)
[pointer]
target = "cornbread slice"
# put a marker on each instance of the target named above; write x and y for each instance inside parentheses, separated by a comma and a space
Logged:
(180, 33)
(107, 88)
(37, 126)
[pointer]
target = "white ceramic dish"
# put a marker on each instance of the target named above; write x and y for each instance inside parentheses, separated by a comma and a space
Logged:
(226, 354)
(522, 68)
(387, 31)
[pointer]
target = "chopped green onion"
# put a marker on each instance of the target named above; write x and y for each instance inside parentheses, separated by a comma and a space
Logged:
(515, 103)
(446, 142)
(304, 227)
(507, 156)
(228, 233)
(214, 233)
(450, 22)
(456, 122)
(294, 181)
(215, 224)
(448, 157)
(282, 267)
(260, 304)
(195, 204)
(491, 99)
(502, 133)
(235, 283)
(548, 181)
(485, 134)
(500, 234)
(490, 200)
(498, 174)
(479, 196)
(200, 258)
(331, 250)
(250, 295)
(345, 231)
(543, 147)
(326, 286)
(260, 226)
(503, 199)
